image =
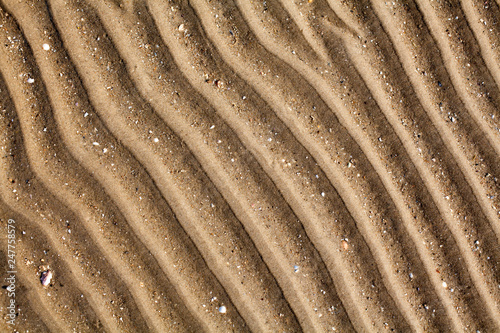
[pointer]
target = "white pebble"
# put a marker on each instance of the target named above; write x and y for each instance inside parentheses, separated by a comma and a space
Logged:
(222, 309)
(156, 140)
(46, 47)
(30, 80)
(95, 143)
(105, 150)
(445, 285)
(46, 277)
(295, 268)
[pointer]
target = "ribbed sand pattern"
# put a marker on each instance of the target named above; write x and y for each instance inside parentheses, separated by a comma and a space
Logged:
(265, 166)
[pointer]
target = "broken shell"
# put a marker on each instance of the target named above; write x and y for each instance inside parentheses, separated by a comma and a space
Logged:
(46, 277)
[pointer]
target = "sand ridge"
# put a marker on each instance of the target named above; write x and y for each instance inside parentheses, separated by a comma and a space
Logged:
(252, 166)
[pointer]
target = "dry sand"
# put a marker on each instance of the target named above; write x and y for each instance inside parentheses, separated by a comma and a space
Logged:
(267, 166)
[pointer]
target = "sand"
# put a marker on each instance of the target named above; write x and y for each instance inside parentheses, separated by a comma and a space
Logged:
(266, 166)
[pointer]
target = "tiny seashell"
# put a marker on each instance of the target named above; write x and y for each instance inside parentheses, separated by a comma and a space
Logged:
(46, 277)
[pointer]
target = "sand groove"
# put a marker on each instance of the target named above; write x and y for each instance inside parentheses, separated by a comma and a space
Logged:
(252, 166)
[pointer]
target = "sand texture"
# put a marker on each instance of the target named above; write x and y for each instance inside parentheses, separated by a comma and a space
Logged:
(265, 166)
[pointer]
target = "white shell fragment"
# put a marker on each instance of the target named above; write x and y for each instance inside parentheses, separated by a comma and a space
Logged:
(45, 277)
(222, 309)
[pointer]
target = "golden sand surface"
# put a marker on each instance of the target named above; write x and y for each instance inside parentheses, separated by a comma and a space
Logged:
(250, 165)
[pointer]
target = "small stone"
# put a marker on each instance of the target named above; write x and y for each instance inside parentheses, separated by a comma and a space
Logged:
(46, 277)
(222, 309)
(46, 47)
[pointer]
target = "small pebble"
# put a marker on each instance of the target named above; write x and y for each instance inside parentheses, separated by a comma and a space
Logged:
(222, 309)
(46, 277)
(46, 47)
